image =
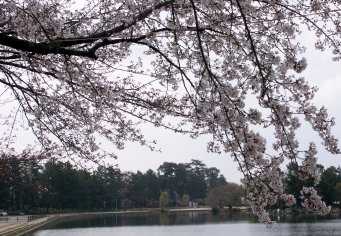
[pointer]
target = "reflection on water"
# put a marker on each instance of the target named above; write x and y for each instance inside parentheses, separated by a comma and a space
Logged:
(184, 224)
(171, 218)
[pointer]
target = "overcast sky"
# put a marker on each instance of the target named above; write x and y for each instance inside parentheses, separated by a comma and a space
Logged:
(321, 71)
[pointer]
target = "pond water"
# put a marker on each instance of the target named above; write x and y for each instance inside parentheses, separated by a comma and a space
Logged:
(186, 224)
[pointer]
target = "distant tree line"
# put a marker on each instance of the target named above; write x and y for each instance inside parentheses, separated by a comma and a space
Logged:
(31, 186)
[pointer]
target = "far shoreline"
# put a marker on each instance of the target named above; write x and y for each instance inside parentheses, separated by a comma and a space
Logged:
(21, 229)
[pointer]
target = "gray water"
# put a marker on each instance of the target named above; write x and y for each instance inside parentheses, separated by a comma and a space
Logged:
(187, 224)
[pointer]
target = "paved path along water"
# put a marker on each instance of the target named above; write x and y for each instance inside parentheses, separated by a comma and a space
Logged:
(17, 225)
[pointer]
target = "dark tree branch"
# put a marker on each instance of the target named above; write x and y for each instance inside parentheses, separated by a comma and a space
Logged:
(253, 49)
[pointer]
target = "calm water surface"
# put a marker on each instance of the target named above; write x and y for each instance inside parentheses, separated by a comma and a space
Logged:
(186, 224)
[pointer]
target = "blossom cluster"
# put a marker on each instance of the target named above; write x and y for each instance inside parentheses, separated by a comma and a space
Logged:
(313, 202)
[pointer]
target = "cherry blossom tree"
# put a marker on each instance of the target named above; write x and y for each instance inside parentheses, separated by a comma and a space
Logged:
(83, 71)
